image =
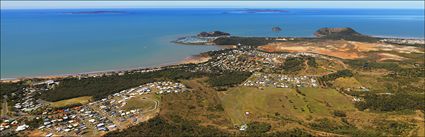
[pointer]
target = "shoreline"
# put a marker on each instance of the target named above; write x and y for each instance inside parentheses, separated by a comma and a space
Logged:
(100, 72)
(193, 59)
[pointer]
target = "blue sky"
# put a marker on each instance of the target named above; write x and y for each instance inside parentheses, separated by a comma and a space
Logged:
(211, 4)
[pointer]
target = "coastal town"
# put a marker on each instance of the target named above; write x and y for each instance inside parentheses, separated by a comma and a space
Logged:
(280, 81)
(303, 82)
(117, 111)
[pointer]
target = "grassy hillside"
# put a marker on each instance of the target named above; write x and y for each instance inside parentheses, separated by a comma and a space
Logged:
(276, 102)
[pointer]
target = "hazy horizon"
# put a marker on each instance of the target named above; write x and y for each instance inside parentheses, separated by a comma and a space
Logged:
(212, 4)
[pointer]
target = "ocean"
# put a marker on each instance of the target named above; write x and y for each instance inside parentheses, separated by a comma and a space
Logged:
(66, 41)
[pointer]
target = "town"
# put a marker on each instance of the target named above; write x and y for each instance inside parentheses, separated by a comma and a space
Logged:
(280, 81)
(117, 111)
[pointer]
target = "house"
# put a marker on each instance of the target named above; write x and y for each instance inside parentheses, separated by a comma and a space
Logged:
(243, 127)
(21, 127)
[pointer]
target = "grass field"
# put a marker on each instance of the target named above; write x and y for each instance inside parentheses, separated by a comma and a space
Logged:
(139, 103)
(268, 102)
(346, 82)
(67, 102)
(374, 83)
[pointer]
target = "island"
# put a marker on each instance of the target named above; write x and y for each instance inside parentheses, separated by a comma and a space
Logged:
(96, 12)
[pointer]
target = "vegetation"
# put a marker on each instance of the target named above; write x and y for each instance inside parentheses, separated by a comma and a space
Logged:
(250, 41)
(258, 127)
(326, 79)
(311, 61)
(339, 113)
(100, 87)
(70, 102)
(282, 103)
(331, 126)
(369, 65)
(61, 107)
(229, 78)
(396, 102)
(7, 88)
(139, 103)
(293, 64)
(338, 74)
(176, 127)
(394, 127)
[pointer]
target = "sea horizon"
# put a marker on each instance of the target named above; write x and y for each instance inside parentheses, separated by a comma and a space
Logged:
(46, 42)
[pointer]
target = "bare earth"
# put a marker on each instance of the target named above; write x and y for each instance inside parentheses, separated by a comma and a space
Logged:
(195, 59)
(343, 49)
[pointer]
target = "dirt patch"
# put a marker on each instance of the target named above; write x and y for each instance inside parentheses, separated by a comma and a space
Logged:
(343, 49)
(388, 56)
(195, 59)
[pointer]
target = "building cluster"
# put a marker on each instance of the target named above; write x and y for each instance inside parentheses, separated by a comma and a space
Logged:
(167, 87)
(280, 81)
(404, 41)
(10, 124)
(247, 60)
(27, 103)
(241, 60)
(110, 73)
(104, 115)
(63, 121)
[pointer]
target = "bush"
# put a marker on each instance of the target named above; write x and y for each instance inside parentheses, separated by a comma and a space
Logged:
(258, 127)
(293, 64)
(100, 87)
(339, 113)
(396, 102)
(229, 78)
(250, 41)
(177, 127)
(338, 74)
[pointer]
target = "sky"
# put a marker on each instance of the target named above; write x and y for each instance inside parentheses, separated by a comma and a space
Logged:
(211, 4)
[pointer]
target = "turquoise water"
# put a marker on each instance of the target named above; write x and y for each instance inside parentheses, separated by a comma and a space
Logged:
(50, 42)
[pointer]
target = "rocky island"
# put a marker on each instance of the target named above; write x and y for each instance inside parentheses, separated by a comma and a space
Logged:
(203, 38)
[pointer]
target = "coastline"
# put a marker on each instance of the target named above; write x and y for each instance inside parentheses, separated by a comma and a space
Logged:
(193, 59)
(100, 72)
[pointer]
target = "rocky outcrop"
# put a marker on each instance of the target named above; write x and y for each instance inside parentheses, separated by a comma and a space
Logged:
(213, 34)
(343, 33)
(326, 32)
(203, 38)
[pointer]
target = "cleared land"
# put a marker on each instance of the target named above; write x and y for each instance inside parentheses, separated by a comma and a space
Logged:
(140, 103)
(246, 104)
(344, 49)
(72, 101)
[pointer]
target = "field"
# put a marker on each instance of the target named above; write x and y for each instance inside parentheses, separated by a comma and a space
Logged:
(139, 103)
(72, 101)
(245, 104)
(346, 82)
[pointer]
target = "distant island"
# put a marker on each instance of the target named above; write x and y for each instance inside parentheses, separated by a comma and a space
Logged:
(203, 38)
(343, 33)
(254, 11)
(96, 12)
